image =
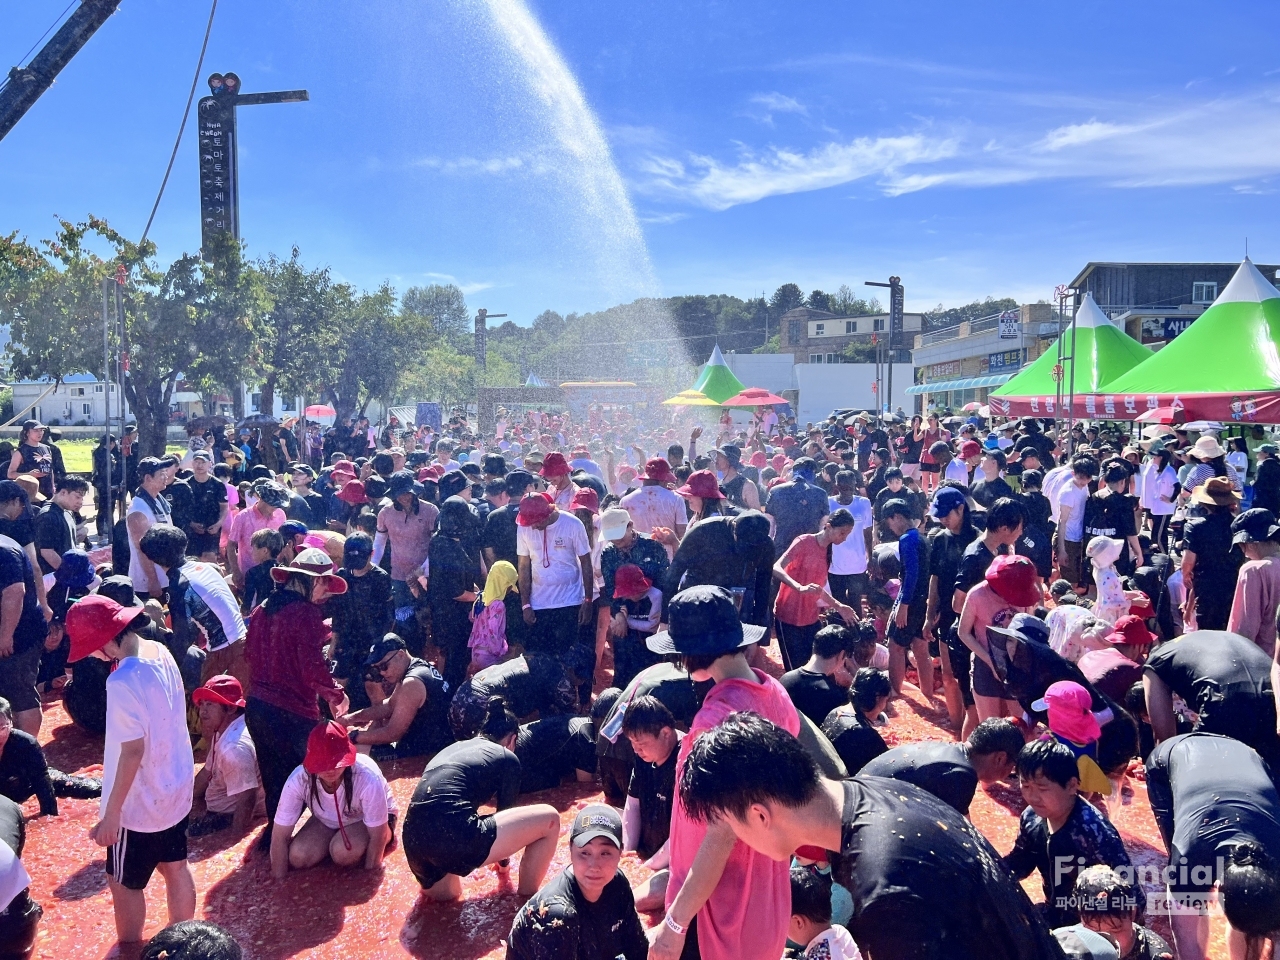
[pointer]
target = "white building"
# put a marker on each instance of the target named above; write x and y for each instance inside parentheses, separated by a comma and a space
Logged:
(80, 399)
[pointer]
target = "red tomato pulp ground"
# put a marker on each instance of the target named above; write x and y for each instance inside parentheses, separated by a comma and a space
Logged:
(332, 913)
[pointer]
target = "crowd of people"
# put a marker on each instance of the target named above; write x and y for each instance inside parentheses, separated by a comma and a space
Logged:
(597, 599)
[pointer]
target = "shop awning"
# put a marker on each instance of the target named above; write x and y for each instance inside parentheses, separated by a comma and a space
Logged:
(970, 383)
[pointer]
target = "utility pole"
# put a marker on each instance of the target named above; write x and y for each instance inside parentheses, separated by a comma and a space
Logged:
(219, 186)
(896, 300)
(482, 335)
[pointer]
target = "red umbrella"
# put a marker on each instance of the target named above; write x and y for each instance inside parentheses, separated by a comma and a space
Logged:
(753, 397)
(320, 410)
(1161, 415)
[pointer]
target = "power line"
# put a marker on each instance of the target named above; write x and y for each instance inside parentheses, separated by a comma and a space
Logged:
(182, 126)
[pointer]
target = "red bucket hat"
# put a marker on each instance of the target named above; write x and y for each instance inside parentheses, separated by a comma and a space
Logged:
(1013, 578)
(353, 492)
(758, 459)
(1133, 631)
(223, 689)
(702, 483)
(534, 508)
(585, 499)
(555, 465)
(329, 748)
(778, 461)
(658, 469)
(432, 473)
(630, 581)
(94, 621)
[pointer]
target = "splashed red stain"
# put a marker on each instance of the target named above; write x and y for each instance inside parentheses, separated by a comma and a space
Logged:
(342, 914)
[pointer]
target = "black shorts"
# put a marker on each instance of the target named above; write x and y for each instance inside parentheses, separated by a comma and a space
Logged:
(133, 858)
(986, 683)
(446, 838)
(929, 468)
(198, 544)
(18, 675)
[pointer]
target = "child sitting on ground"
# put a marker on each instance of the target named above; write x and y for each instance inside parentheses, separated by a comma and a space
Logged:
(811, 925)
(867, 652)
(636, 610)
(265, 545)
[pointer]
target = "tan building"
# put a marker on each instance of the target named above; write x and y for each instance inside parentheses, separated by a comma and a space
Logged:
(815, 336)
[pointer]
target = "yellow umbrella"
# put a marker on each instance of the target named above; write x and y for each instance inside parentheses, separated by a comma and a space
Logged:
(690, 398)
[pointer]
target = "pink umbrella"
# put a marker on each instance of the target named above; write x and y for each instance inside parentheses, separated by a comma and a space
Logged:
(320, 410)
(753, 397)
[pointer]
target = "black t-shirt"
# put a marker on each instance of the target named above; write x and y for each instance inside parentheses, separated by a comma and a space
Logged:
(52, 533)
(532, 682)
(453, 570)
(559, 923)
(22, 528)
(500, 532)
(15, 567)
(654, 785)
(1040, 443)
(945, 552)
(181, 502)
(207, 498)
(429, 730)
(973, 566)
(854, 738)
(1108, 514)
(24, 773)
(470, 773)
(814, 694)
(1223, 677)
(916, 503)
(986, 492)
(551, 749)
(941, 768)
(309, 508)
(926, 884)
(360, 616)
(1217, 564)
(1209, 793)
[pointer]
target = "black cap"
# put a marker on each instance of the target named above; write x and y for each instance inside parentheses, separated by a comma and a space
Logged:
(704, 620)
(149, 465)
(731, 452)
(390, 642)
(1254, 526)
(1026, 452)
(596, 820)
(120, 589)
(400, 483)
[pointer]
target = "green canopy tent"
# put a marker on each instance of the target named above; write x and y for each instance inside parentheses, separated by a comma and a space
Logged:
(1225, 366)
(1102, 351)
(717, 380)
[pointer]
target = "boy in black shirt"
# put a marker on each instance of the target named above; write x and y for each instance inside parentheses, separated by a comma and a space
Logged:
(924, 882)
(587, 912)
(813, 687)
(646, 818)
(266, 545)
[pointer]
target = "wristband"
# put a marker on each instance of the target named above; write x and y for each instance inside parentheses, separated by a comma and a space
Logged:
(527, 606)
(671, 925)
(352, 736)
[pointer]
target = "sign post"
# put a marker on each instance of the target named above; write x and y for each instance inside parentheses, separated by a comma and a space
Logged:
(897, 298)
(219, 186)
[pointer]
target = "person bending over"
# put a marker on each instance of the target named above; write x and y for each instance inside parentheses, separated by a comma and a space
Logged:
(924, 881)
(816, 688)
(353, 814)
(445, 837)
(228, 789)
(851, 729)
(952, 771)
(586, 912)
(192, 940)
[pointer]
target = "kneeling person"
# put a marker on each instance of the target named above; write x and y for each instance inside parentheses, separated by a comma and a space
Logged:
(586, 912)
(414, 720)
(352, 810)
(229, 787)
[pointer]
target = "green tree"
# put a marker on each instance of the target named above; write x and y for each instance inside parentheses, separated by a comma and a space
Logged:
(821, 301)
(941, 316)
(845, 303)
(446, 308)
(786, 297)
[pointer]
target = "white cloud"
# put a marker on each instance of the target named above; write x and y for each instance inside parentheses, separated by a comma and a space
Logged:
(663, 218)
(1076, 134)
(709, 183)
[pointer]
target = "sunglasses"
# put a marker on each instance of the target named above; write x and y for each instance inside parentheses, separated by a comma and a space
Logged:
(384, 665)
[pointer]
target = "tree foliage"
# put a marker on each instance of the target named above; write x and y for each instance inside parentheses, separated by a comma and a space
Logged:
(941, 316)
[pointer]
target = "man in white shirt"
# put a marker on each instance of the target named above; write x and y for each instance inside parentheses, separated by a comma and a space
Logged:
(847, 576)
(555, 574)
(1070, 539)
(148, 772)
(228, 789)
(655, 504)
(147, 508)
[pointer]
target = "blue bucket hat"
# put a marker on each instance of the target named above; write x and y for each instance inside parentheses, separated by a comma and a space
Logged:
(76, 571)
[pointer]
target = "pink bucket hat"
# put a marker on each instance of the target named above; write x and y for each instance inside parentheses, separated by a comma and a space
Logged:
(1070, 710)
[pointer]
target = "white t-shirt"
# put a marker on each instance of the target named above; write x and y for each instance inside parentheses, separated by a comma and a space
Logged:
(1160, 492)
(851, 556)
(370, 803)
(553, 561)
(833, 943)
(233, 768)
(207, 582)
(140, 582)
(958, 471)
(145, 700)
(13, 876)
(655, 506)
(1073, 498)
(1054, 481)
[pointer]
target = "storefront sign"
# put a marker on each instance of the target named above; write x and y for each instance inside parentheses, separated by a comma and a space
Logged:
(1004, 361)
(1176, 325)
(1009, 325)
(944, 371)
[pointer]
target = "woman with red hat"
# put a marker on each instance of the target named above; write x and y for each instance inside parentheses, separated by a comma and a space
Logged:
(702, 493)
(353, 814)
(285, 649)
(636, 611)
(1008, 588)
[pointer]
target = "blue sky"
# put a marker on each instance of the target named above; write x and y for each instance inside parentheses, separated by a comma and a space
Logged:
(974, 149)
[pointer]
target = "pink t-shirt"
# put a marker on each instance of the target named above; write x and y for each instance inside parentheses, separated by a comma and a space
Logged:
(409, 535)
(1253, 609)
(245, 525)
(747, 915)
(808, 564)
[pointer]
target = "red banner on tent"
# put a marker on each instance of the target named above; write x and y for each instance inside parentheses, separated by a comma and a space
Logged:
(1226, 407)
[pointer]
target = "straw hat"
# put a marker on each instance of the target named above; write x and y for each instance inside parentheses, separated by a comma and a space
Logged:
(313, 562)
(1216, 490)
(1207, 448)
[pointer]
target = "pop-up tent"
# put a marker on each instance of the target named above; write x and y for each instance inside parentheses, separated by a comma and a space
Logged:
(1102, 353)
(1225, 366)
(717, 380)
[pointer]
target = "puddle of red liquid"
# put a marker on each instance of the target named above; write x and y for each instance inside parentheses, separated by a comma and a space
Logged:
(342, 914)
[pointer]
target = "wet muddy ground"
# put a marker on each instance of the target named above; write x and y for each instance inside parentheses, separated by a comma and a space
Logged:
(331, 913)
